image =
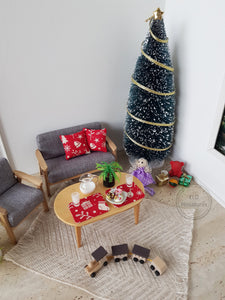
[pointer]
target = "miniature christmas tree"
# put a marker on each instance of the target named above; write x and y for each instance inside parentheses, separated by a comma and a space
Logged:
(149, 126)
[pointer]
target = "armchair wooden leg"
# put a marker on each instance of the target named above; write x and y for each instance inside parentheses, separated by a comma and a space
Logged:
(8, 228)
(45, 204)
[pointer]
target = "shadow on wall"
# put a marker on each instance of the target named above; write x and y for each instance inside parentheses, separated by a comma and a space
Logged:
(3, 139)
(116, 134)
(178, 49)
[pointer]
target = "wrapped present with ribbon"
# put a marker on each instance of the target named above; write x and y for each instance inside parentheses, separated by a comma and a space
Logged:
(185, 179)
(162, 178)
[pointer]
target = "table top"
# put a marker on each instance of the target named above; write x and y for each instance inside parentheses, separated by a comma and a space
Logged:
(62, 200)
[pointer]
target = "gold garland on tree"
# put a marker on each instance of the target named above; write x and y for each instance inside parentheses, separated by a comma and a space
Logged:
(157, 15)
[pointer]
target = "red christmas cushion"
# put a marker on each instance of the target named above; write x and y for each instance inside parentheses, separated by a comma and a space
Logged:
(75, 144)
(96, 139)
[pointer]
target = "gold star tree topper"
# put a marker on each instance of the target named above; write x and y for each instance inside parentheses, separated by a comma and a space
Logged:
(157, 15)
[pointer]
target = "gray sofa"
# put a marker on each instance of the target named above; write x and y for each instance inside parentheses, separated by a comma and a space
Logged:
(51, 156)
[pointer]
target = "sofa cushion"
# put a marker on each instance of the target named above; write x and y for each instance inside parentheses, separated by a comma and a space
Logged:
(75, 144)
(49, 143)
(96, 139)
(60, 169)
(19, 201)
(7, 178)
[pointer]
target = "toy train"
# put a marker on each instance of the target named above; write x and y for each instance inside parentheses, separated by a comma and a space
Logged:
(121, 252)
(100, 259)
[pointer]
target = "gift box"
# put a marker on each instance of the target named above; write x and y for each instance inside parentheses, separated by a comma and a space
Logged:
(162, 178)
(185, 180)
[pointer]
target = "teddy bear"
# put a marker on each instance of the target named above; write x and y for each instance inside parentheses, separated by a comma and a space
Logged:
(176, 168)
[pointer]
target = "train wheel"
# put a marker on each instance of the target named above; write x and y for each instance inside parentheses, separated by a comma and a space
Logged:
(135, 259)
(93, 274)
(152, 267)
(157, 273)
(142, 261)
(117, 259)
(105, 263)
(124, 258)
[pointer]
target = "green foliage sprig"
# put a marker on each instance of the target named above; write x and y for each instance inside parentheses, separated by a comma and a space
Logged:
(109, 170)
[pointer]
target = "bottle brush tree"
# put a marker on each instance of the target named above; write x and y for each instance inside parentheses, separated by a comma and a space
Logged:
(149, 125)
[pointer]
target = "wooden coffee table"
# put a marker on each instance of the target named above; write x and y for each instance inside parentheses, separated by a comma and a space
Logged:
(62, 200)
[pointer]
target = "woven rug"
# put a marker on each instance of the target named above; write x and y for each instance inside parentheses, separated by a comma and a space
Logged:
(49, 248)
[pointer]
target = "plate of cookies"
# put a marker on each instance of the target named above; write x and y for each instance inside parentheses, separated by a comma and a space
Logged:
(116, 196)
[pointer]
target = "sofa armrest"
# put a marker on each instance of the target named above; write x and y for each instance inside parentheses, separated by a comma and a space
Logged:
(3, 211)
(112, 146)
(41, 161)
(36, 181)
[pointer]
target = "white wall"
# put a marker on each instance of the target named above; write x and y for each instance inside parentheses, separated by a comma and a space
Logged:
(197, 41)
(64, 63)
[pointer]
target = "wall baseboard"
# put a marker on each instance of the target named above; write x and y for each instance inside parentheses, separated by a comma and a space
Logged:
(209, 191)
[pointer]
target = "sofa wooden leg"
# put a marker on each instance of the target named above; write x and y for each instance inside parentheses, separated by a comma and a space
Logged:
(8, 228)
(47, 184)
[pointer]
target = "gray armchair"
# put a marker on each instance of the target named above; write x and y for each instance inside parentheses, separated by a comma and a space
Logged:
(51, 156)
(17, 200)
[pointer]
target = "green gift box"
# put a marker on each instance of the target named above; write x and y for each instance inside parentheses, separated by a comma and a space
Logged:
(185, 180)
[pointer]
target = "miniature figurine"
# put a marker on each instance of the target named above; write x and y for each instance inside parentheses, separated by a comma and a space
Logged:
(158, 266)
(120, 252)
(176, 168)
(101, 259)
(142, 171)
(140, 254)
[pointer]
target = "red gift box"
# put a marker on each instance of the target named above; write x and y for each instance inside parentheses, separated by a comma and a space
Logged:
(90, 207)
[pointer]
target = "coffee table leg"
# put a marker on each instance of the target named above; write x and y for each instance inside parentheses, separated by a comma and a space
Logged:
(78, 236)
(136, 213)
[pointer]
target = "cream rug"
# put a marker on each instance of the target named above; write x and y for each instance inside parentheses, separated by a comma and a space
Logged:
(49, 248)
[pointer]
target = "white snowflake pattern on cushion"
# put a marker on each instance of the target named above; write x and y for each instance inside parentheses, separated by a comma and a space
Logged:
(67, 148)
